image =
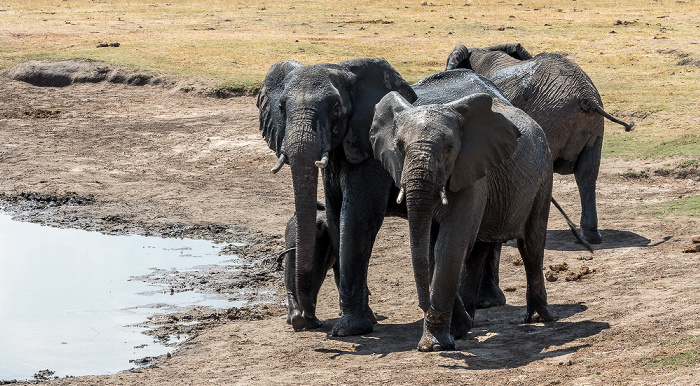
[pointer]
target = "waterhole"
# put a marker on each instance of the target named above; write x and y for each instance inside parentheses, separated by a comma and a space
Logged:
(70, 303)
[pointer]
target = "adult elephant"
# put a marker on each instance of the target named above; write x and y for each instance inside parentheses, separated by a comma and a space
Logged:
(319, 116)
(563, 100)
(475, 172)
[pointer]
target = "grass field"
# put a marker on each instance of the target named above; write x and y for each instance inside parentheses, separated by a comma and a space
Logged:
(644, 56)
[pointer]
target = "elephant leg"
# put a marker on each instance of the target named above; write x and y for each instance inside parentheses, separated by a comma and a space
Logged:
(290, 285)
(445, 304)
(490, 293)
(586, 173)
(365, 196)
(472, 274)
(531, 247)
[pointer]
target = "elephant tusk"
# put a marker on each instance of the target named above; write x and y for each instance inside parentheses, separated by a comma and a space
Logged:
(279, 164)
(399, 198)
(323, 162)
(443, 196)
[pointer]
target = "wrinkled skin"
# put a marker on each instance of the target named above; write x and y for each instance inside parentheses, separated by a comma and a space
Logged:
(318, 116)
(493, 165)
(562, 99)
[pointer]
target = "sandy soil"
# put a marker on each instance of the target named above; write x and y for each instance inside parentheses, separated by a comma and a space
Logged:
(156, 160)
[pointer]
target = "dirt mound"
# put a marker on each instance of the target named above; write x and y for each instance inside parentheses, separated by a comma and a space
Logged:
(65, 73)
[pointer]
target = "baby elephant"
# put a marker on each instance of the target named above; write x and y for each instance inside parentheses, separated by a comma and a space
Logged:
(475, 172)
(323, 260)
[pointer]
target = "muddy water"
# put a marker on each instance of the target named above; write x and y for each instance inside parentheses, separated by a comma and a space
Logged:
(69, 304)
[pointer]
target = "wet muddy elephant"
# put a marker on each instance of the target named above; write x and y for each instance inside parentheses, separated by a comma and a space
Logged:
(559, 96)
(563, 100)
(318, 117)
(475, 172)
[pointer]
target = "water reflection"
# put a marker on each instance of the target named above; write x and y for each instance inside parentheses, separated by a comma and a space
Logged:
(67, 304)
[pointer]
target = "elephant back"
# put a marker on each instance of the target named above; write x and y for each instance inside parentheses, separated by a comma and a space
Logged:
(451, 85)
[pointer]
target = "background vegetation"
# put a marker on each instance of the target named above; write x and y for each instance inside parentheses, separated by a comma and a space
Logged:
(643, 55)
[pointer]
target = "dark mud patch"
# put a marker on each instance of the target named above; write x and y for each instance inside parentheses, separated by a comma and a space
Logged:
(681, 173)
(684, 58)
(65, 73)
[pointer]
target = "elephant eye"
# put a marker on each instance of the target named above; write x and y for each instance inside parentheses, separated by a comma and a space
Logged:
(449, 148)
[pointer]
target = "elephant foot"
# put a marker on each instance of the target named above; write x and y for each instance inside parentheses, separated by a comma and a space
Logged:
(461, 323)
(370, 315)
(490, 296)
(352, 325)
(436, 336)
(592, 236)
(300, 322)
(539, 314)
(436, 342)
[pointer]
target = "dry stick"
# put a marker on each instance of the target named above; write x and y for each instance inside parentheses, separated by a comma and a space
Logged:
(573, 227)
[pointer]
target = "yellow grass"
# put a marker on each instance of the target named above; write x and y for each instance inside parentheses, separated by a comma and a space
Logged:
(635, 68)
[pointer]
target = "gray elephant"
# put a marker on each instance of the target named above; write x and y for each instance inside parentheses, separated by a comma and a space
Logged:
(475, 172)
(323, 260)
(319, 116)
(561, 97)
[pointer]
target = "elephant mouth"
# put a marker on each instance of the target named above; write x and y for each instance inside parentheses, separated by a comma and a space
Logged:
(322, 163)
(402, 194)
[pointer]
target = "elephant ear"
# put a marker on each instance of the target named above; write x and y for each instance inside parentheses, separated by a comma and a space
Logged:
(488, 139)
(271, 118)
(382, 135)
(515, 50)
(374, 78)
(459, 58)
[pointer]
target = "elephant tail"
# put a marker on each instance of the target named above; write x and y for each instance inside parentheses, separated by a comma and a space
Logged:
(588, 105)
(572, 227)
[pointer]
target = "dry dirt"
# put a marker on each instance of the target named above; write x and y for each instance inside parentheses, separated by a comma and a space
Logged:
(156, 160)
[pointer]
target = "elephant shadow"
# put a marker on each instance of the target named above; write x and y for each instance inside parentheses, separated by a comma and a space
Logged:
(498, 340)
(563, 240)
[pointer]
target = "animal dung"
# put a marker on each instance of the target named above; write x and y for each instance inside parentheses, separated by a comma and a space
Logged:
(559, 267)
(551, 276)
(695, 247)
(582, 272)
(692, 249)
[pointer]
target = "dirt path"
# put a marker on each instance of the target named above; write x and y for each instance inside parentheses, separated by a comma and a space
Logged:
(153, 160)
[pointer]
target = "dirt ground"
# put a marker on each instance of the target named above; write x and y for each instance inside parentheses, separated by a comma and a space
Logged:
(157, 160)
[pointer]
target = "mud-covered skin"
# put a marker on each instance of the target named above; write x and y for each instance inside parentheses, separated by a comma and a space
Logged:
(562, 99)
(476, 172)
(318, 117)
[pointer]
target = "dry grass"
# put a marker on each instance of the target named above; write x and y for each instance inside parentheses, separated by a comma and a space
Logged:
(642, 55)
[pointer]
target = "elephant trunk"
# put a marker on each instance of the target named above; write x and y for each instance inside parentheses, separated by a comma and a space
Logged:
(421, 193)
(304, 150)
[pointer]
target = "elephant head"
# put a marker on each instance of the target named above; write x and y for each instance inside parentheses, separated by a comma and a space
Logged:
(316, 116)
(428, 148)
(485, 60)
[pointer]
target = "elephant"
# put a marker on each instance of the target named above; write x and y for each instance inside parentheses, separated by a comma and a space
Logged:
(323, 260)
(315, 117)
(475, 172)
(563, 100)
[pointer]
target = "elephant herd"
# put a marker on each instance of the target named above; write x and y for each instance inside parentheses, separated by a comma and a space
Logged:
(471, 150)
